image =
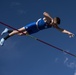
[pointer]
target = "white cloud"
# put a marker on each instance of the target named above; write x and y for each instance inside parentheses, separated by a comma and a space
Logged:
(17, 7)
(66, 59)
(75, 73)
(69, 64)
(15, 3)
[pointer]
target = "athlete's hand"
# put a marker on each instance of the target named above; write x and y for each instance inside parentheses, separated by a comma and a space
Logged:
(71, 35)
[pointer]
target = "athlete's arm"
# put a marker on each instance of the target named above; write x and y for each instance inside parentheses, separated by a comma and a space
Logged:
(64, 31)
(47, 16)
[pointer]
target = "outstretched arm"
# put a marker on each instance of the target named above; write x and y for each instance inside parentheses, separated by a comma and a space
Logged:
(65, 31)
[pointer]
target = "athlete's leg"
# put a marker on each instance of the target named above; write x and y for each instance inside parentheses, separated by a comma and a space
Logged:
(19, 31)
(30, 28)
(11, 33)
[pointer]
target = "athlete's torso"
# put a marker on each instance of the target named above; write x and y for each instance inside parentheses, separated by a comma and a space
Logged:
(41, 24)
(36, 26)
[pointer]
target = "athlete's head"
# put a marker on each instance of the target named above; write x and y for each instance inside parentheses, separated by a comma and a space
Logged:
(57, 20)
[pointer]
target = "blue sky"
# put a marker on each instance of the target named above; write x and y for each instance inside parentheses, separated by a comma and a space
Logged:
(22, 55)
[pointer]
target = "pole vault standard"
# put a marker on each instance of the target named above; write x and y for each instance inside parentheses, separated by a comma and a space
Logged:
(57, 48)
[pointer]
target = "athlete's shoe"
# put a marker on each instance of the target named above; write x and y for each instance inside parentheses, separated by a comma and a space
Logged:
(5, 31)
(2, 41)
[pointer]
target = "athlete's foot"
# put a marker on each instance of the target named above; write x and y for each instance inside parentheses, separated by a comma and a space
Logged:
(5, 31)
(2, 41)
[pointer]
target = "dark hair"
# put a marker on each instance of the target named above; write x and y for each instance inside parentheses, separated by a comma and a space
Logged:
(58, 20)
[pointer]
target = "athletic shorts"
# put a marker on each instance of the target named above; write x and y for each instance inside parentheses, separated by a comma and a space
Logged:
(31, 28)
